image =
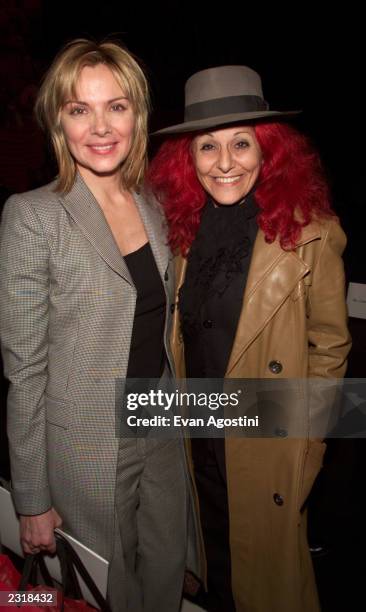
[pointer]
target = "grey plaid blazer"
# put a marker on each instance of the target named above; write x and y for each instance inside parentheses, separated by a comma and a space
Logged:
(67, 310)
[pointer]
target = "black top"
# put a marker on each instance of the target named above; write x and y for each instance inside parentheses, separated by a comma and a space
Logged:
(211, 297)
(147, 353)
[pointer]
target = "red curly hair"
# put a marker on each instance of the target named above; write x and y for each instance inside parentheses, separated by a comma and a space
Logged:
(291, 180)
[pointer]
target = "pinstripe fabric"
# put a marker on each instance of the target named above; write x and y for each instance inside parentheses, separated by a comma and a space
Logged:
(67, 308)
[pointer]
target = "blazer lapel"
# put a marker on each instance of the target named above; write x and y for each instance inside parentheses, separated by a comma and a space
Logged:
(88, 215)
(273, 275)
(153, 221)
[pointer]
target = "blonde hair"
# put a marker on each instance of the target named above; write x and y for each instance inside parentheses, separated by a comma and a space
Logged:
(59, 85)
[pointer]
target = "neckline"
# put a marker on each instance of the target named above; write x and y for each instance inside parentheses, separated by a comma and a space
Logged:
(139, 250)
(246, 207)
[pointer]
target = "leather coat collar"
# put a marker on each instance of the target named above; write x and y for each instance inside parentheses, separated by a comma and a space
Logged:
(273, 275)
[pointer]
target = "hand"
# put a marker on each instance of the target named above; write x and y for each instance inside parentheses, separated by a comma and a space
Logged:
(36, 532)
(191, 584)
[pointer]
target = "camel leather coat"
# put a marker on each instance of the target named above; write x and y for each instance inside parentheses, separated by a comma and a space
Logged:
(293, 324)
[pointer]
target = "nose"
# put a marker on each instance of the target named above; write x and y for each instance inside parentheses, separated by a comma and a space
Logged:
(100, 124)
(225, 162)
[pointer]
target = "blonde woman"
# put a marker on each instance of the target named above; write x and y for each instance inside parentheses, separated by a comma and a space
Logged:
(85, 292)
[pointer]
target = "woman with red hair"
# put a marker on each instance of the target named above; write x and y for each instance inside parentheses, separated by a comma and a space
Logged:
(260, 295)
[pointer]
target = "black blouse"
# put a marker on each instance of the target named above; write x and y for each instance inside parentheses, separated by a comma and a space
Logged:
(147, 353)
(211, 297)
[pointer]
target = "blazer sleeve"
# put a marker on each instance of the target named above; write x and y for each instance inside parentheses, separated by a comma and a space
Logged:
(24, 291)
(328, 336)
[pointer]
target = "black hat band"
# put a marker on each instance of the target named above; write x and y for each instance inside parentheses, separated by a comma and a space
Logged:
(224, 106)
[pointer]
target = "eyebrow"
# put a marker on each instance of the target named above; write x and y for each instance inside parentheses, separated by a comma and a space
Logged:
(108, 101)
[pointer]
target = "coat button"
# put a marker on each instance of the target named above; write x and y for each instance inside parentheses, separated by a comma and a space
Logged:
(281, 433)
(207, 324)
(278, 499)
(275, 367)
(172, 308)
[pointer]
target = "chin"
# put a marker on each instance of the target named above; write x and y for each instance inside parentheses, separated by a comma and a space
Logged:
(229, 199)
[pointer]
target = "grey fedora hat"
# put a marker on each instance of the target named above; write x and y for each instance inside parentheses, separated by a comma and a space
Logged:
(218, 96)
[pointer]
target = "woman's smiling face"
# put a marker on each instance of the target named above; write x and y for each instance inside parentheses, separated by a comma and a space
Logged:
(227, 162)
(99, 123)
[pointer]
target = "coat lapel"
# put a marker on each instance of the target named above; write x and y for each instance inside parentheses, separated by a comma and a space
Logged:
(273, 275)
(153, 221)
(88, 215)
(180, 272)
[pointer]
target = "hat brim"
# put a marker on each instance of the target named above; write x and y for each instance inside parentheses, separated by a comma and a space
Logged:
(202, 124)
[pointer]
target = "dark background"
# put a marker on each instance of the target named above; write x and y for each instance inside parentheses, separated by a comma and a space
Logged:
(307, 61)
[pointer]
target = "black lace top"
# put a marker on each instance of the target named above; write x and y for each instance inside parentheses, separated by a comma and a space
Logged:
(210, 299)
